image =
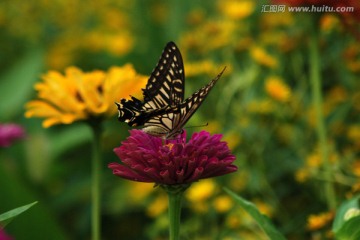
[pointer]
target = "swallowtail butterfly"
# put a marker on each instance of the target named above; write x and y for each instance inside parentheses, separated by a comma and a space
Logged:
(164, 112)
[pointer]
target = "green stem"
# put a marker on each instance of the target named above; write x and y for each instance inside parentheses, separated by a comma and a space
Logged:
(175, 193)
(95, 184)
(174, 214)
(315, 78)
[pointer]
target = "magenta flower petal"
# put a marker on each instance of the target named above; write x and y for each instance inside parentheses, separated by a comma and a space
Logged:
(9, 133)
(146, 158)
(3, 235)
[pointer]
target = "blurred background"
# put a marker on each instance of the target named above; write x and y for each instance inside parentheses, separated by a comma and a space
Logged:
(262, 105)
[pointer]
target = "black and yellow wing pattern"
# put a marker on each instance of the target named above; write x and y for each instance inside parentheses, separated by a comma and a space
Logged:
(164, 111)
(164, 88)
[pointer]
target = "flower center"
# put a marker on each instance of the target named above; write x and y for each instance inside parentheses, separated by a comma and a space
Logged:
(170, 146)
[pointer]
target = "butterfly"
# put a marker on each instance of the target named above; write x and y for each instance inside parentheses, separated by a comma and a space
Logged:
(164, 112)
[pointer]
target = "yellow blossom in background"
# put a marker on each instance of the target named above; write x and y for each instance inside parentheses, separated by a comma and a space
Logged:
(355, 188)
(235, 9)
(277, 89)
(158, 206)
(201, 67)
(233, 139)
(356, 168)
(138, 191)
(61, 54)
(264, 208)
(214, 127)
(196, 16)
(201, 191)
(314, 160)
(318, 221)
(356, 101)
(239, 218)
(302, 175)
(328, 22)
(201, 38)
(262, 57)
(223, 203)
(239, 182)
(353, 134)
(260, 107)
(200, 207)
(119, 44)
(351, 57)
(233, 221)
(272, 20)
(76, 95)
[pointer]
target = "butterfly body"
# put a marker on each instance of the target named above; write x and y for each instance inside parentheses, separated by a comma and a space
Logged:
(164, 112)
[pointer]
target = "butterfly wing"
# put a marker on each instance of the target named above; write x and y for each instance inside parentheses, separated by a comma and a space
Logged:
(166, 84)
(165, 88)
(171, 122)
(131, 111)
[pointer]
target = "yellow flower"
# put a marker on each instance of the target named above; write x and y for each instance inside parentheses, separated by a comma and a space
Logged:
(201, 38)
(353, 134)
(158, 206)
(200, 207)
(77, 95)
(223, 203)
(264, 208)
(262, 57)
(201, 191)
(356, 187)
(273, 20)
(201, 67)
(329, 22)
(260, 107)
(233, 139)
(119, 44)
(318, 221)
(138, 191)
(235, 9)
(302, 175)
(314, 160)
(356, 168)
(351, 57)
(214, 127)
(240, 181)
(277, 89)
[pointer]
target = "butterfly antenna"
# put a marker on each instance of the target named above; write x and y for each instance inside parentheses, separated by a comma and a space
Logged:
(204, 125)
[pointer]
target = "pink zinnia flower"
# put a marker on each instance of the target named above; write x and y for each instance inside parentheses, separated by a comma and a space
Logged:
(147, 158)
(3, 235)
(9, 133)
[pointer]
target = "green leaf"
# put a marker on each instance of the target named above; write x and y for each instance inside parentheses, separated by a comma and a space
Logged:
(40, 222)
(16, 85)
(347, 220)
(261, 219)
(7, 217)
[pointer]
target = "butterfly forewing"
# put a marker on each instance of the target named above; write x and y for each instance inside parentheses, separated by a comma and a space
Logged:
(165, 86)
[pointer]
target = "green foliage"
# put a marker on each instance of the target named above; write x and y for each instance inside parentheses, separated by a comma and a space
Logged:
(8, 216)
(263, 221)
(347, 220)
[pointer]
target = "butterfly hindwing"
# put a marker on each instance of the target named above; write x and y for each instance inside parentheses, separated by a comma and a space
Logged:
(130, 111)
(170, 123)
